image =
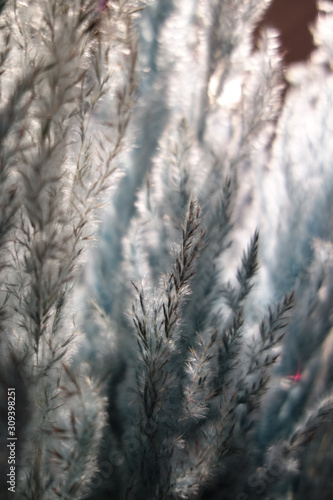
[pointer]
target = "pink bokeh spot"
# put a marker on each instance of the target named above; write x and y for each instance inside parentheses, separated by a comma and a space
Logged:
(298, 376)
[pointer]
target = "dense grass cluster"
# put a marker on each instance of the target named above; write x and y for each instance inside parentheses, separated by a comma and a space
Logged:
(186, 354)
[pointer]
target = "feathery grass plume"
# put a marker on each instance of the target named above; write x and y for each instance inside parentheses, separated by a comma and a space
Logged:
(285, 455)
(299, 252)
(178, 398)
(212, 141)
(14, 107)
(157, 328)
(55, 170)
(223, 450)
(290, 398)
(230, 335)
(262, 355)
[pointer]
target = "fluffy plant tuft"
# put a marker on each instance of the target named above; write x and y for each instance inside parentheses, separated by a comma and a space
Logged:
(186, 353)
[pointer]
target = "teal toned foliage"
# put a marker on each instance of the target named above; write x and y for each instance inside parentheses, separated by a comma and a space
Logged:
(189, 357)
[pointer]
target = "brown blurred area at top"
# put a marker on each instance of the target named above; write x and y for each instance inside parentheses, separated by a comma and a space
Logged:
(292, 19)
